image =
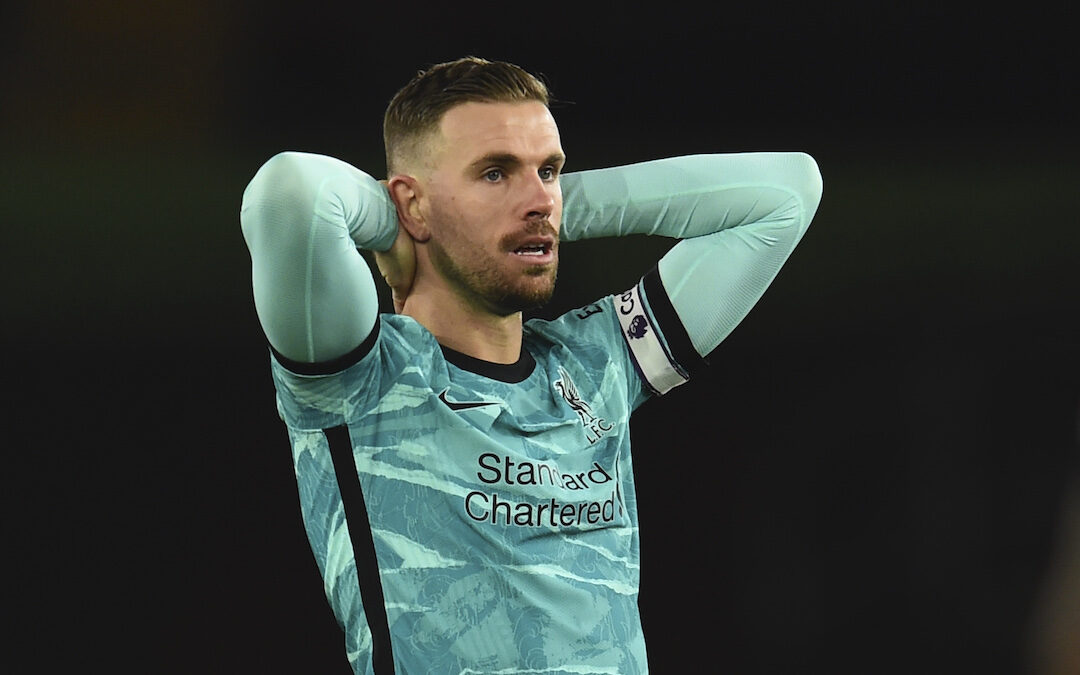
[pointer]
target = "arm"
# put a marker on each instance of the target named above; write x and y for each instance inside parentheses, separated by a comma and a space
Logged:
(303, 217)
(739, 216)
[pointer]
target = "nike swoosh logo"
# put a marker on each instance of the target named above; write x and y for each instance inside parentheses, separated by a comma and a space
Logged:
(462, 405)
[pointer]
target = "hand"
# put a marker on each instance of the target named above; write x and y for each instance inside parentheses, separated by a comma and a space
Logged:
(398, 267)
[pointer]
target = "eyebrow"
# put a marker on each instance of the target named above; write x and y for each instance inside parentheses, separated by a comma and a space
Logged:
(511, 161)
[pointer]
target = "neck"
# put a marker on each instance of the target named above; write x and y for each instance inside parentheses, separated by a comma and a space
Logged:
(464, 327)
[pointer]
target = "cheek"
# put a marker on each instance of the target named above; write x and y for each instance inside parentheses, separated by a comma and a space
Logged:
(455, 226)
(445, 217)
(458, 207)
(441, 207)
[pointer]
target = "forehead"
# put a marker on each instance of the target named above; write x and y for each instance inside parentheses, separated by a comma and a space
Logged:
(526, 129)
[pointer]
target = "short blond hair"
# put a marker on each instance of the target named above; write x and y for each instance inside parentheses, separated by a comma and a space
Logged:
(417, 108)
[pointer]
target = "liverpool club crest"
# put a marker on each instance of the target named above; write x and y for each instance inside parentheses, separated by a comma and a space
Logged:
(595, 427)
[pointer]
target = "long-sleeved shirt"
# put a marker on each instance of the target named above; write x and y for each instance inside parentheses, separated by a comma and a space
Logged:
(477, 517)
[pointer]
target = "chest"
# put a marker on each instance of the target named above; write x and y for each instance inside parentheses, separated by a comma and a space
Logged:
(549, 451)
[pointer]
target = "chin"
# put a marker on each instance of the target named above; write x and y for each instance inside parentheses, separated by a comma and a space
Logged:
(516, 300)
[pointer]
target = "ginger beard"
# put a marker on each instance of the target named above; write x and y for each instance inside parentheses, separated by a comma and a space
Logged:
(494, 280)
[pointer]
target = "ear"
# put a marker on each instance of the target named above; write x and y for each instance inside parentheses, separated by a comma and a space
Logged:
(406, 192)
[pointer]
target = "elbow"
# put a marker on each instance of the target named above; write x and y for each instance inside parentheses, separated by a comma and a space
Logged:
(277, 182)
(805, 185)
(811, 185)
(276, 173)
(283, 162)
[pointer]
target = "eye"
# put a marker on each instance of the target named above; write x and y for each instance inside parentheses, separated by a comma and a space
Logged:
(493, 175)
(549, 173)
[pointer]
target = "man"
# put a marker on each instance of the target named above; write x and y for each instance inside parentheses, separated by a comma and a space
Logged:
(465, 479)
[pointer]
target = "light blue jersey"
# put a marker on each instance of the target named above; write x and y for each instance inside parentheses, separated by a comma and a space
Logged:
(469, 517)
(500, 498)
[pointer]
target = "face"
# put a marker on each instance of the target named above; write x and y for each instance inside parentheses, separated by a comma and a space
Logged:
(494, 204)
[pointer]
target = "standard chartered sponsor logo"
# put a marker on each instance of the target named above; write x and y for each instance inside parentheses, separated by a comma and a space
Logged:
(490, 507)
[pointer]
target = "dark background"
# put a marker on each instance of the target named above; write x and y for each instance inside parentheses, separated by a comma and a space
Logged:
(870, 479)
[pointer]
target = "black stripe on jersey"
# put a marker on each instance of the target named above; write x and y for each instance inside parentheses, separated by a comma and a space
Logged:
(334, 365)
(363, 544)
(678, 340)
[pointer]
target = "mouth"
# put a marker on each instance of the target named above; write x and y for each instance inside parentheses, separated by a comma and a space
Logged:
(532, 250)
(535, 250)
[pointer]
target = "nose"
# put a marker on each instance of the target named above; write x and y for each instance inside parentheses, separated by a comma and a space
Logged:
(540, 197)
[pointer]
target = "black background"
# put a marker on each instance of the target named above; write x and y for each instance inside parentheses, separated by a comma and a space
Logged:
(869, 479)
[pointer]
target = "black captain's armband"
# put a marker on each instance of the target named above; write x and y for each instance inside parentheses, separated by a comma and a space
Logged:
(588, 310)
(663, 362)
(678, 340)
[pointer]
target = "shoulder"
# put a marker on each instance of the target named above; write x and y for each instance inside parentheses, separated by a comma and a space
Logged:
(327, 395)
(402, 342)
(588, 344)
(391, 335)
(638, 326)
(594, 323)
(399, 332)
